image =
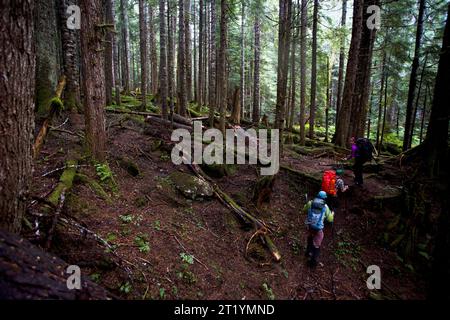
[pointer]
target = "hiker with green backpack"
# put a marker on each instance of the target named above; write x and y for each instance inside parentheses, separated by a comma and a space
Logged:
(317, 212)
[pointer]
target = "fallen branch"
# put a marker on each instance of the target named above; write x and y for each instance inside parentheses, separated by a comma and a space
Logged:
(55, 219)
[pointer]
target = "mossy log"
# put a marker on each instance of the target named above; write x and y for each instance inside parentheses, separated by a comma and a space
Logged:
(30, 273)
(316, 181)
(65, 182)
(176, 117)
(55, 106)
(168, 123)
(94, 185)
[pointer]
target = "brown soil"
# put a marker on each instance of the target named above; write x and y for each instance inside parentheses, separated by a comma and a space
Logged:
(223, 269)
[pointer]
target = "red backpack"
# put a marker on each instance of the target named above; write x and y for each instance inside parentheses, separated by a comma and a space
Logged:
(329, 182)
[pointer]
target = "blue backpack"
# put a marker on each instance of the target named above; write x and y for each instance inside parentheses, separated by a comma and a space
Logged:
(316, 214)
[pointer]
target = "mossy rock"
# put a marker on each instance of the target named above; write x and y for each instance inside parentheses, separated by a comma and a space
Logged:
(191, 187)
(219, 170)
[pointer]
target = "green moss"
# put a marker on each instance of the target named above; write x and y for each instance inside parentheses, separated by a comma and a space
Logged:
(65, 181)
(94, 186)
(56, 105)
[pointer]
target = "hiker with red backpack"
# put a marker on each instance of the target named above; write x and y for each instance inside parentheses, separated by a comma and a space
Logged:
(317, 212)
(362, 151)
(333, 184)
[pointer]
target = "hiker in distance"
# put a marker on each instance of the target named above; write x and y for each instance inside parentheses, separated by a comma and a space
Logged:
(317, 211)
(362, 151)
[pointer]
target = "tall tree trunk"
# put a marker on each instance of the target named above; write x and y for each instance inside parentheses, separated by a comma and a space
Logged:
(407, 139)
(143, 50)
(424, 111)
(436, 164)
(419, 93)
(109, 76)
(256, 73)
(383, 126)
(369, 118)
(328, 102)
(312, 110)
(341, 60)
(213, 65)
(350, 75)
(201, 75)
(153, 51)
(163, 58)
(125, 47)
(284, 33)
(303, 31)
(181, 60)
(242, 66)
(360, 98)
(115, 56)
(93, 76)
(72, 97)
(17, 94)
(292, 103)
(171, 26)
(222, 81)
(194, 10)
(380, 101)
(188, 49)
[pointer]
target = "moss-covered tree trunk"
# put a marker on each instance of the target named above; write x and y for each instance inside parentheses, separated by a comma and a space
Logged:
(17, 87)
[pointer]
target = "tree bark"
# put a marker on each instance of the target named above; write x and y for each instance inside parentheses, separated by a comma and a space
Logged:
(341, 59)
(380, 101)
(312, 110)
(171, 26)
(188, 49)
(163, 59)
(437, 135)
(115, 56)
(72, 97)
(213, 65)
(284, 33)
(153, 51)
(125, 47)
(143, 50)
(181, 60)
(350, 75)
(303, 30)
(256, 73)
(109, 54)
(94, 75)
(407, 139)
(201, 75)
(222, 81)
(242, 66)
(17, 89)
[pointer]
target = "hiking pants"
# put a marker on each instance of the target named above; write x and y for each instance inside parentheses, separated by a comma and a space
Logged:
(358, 170)
(316, 236)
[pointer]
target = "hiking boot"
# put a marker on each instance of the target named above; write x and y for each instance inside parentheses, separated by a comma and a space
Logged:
(312, 262)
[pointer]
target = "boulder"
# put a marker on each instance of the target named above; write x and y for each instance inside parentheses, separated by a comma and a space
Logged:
(191, 187)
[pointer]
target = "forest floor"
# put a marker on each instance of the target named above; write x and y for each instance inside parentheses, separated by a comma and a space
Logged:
(157, 232)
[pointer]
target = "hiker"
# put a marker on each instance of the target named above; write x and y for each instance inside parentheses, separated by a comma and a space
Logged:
(333, 184)
(316, 212)
(362, 151)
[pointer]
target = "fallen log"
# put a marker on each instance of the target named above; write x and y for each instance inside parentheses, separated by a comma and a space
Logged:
(316, 181)
(167, 123)
(65, 182)
(30, 273)
(55, 107)
(176, 117)
(241, 213)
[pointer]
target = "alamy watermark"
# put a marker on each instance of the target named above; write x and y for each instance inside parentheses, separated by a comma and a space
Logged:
(374, 280)
(73, 282)
(239, 145)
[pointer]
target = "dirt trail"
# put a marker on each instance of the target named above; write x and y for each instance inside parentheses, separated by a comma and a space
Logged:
(153, 227)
